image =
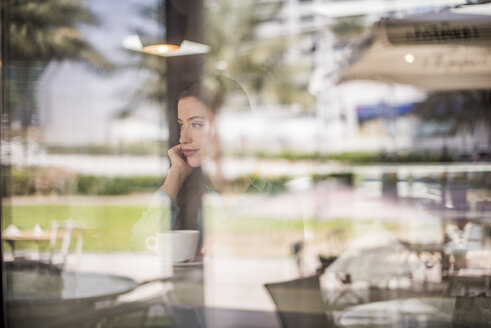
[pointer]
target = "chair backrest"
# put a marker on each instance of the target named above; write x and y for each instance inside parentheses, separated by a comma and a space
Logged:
(299, 303)
(325, 263)
(60, 230)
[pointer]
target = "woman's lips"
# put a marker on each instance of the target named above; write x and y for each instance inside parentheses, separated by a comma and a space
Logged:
(189, 152)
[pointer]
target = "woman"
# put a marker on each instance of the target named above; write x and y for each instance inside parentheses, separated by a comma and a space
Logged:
(184, 187)
(184, 184)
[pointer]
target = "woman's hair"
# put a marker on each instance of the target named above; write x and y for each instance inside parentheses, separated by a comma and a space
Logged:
(216, 92)
(189, 201)
(198, 90)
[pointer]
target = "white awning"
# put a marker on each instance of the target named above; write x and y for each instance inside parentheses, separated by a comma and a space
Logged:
(445, 51)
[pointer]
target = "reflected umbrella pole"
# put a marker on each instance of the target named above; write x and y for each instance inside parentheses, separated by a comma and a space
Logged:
(183, 51)
(183, 21)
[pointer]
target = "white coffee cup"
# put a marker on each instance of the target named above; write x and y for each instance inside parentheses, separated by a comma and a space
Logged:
(174, 246)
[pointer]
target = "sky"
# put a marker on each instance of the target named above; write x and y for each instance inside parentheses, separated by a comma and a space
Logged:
(76, 103)
(78, 106)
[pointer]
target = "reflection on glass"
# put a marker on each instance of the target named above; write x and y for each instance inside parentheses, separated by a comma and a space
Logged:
(328, 169)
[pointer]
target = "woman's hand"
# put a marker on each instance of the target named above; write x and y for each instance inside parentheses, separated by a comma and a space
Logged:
(178, 172)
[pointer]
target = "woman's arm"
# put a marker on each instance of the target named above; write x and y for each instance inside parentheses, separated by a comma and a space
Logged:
(161, 215)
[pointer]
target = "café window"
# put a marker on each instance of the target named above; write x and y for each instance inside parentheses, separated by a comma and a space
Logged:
(189, 164)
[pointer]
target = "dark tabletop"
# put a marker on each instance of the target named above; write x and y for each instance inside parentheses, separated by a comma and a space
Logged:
(25, 286)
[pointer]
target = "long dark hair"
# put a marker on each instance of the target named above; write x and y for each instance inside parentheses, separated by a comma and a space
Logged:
(189, 198)
(189, 201)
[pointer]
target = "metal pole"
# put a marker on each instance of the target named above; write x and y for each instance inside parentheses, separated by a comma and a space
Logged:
(183, 21)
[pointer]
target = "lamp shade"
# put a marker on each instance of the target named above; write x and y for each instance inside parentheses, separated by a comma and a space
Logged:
(186, 48)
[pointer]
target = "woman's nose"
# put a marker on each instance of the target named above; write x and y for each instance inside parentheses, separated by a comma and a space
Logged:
(184, 137)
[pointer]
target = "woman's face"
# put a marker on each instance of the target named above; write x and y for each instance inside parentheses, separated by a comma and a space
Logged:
(194, 119)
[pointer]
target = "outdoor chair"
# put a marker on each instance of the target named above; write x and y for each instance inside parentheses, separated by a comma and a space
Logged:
(380, 294)
(346, 295)
(345, 279)
(325, 262)
(64, 231)
(299, 303)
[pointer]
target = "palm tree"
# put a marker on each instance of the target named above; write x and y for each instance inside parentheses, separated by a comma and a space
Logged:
(461, 111)
(40, 32)
(260, 64)
(348, 29)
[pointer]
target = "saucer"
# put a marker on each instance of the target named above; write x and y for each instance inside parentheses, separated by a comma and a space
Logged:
(186, 264)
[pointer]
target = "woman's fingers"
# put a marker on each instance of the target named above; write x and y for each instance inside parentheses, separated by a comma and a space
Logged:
(176, 156)
(178, 172)
(178, 161)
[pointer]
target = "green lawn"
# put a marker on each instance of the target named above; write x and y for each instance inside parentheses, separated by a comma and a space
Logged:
(108, 228)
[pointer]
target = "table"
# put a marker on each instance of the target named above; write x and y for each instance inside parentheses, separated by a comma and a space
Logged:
(478, 283)
(61, 230)
(413, 312)
(29, 236)
(33, 298)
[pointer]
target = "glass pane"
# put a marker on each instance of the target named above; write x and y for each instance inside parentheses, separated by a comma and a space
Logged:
(222, 163)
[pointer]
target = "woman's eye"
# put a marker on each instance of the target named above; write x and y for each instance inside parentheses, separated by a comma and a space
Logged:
(180, 126)
(196, 125)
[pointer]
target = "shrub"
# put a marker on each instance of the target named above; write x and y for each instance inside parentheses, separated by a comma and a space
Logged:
(52, 180)
(346, 178)
(89, 185)
(136, 149)
(94, 185)
(21, 183)
(43, 181)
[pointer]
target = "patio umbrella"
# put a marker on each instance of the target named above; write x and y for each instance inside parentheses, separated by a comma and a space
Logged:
(443, 51)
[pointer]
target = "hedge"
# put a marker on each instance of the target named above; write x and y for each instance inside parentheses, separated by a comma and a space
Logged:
(47, 181)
